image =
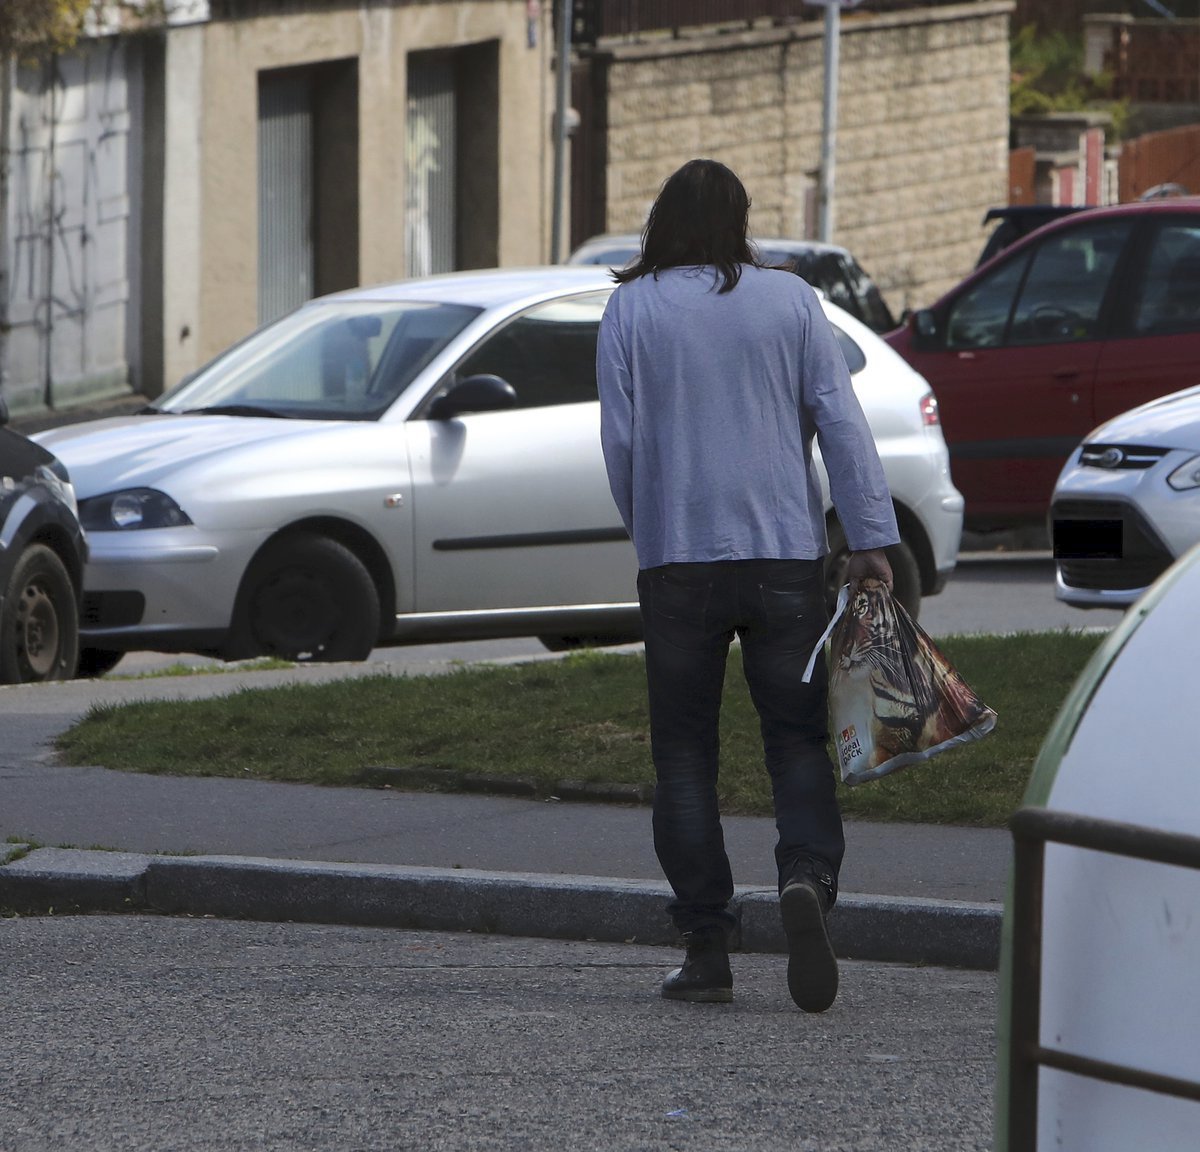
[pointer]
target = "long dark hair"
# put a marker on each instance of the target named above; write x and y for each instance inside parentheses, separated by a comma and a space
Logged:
(700, 216)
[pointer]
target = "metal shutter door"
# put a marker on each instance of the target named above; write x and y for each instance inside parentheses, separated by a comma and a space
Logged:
(285, 177)
(430, 153)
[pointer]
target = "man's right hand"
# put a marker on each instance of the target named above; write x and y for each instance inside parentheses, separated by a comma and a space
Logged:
(871, 564)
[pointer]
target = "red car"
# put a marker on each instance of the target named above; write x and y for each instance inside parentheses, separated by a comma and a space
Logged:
(1078, 322)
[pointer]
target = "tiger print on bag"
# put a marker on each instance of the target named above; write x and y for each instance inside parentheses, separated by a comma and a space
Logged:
(893, 696)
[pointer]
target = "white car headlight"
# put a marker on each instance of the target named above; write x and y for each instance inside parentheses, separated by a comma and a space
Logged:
(132, 509)
(1186, 476)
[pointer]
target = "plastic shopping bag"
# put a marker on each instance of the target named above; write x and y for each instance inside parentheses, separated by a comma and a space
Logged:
(894, 699)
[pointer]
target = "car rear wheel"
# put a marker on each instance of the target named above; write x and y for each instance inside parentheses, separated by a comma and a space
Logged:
(95, 662)
(906, 572)
(39, 625)
(306, 598)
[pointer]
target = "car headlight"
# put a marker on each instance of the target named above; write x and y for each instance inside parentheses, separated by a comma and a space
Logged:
(1186, 476)
(131, 509)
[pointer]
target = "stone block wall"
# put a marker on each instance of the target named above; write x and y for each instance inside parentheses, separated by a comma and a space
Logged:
(922, 134)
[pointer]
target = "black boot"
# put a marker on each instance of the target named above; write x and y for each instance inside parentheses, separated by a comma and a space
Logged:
(812, 965)
(705, 977)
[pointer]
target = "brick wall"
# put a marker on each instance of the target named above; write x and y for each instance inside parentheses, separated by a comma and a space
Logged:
(922, 143)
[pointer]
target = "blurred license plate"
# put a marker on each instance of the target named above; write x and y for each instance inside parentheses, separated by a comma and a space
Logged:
(1087, 540)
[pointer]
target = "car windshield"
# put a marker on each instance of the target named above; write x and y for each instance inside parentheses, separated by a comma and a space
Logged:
(841, 278)
(616, 256)
(331, 360)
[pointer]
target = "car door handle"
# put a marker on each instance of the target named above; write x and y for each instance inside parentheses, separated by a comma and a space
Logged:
(1065, 373)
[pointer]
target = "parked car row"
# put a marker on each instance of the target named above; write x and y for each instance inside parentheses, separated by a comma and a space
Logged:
(1079, 321)
(414, 462)
(421, 461)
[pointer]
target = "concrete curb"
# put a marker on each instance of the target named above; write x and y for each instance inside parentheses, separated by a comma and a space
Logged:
(914, 931)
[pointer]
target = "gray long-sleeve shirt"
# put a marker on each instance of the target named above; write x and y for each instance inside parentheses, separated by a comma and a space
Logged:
(709, 404)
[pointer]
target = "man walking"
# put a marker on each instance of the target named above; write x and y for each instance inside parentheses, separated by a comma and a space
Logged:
(715, 375)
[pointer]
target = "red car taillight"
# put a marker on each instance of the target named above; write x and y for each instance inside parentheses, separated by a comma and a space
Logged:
(929, 410)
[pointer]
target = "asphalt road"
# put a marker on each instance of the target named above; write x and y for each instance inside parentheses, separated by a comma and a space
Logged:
(143, 1034)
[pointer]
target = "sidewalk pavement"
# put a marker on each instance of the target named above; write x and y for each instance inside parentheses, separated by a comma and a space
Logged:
(152, 1033)
(476, 862)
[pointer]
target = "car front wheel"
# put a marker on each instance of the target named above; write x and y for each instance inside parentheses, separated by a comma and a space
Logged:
(306, 598)
(39, 625)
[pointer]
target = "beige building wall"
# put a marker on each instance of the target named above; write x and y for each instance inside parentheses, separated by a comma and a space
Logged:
(922, 135)
(212, 184)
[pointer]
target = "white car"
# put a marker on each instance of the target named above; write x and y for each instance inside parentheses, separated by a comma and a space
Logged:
(1127, 503)
(414, 462)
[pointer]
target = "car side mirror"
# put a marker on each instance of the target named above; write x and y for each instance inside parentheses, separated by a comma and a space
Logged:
(483, 393)
(925, 328)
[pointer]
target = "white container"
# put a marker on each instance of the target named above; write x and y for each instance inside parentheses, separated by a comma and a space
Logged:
(1120, 947)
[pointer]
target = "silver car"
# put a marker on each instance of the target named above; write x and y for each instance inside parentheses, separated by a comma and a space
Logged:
(414, 462)
(1127, 503)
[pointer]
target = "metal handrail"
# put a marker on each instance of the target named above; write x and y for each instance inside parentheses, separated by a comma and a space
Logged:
(1111, 836)
(1032, 829)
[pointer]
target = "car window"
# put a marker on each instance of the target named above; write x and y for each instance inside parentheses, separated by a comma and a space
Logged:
(615, 255)
(1050, 294)
(822, 270)
(828, 274)
(794, 262)
(870, 305)
(979, 317)
(1169, 296)
(547, 354)
(334, 360)
(1063, 292)
(841, 278)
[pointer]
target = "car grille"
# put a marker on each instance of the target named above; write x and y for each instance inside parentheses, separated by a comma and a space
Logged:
(1143, 556)
(1117, 456)
(112, 609)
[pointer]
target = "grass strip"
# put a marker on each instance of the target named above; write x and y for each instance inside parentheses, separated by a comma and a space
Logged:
(581, 719)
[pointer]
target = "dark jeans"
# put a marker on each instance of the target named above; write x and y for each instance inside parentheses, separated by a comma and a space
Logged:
(690, 614)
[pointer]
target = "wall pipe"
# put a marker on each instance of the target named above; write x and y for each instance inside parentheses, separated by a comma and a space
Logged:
(561, 107)
(829, 112)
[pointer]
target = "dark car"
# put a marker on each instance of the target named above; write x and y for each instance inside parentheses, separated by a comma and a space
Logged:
(827, 267)
(42, 554)
(1016, 220)
(1079, 321)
